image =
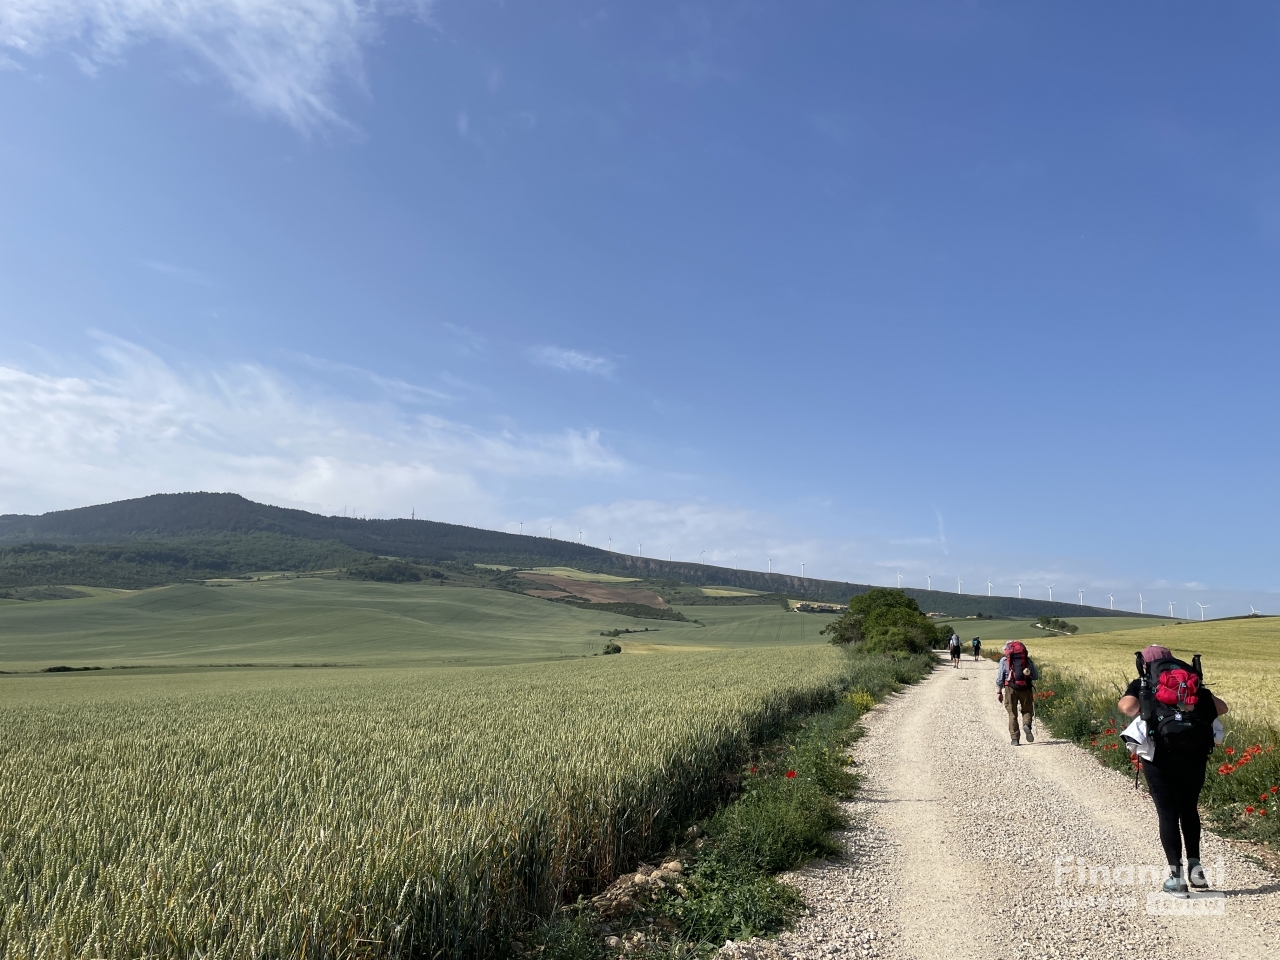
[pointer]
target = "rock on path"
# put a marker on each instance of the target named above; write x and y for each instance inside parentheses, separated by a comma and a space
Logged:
(963, 846)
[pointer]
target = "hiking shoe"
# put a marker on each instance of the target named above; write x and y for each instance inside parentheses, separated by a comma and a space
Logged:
(1175, 884)
(1013, 741)
(1196, 878)
(1031, 737)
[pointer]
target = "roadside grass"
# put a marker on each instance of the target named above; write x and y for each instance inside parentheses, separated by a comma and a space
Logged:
(781, 813)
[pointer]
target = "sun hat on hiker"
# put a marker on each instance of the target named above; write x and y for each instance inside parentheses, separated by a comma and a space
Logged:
(1156, 652)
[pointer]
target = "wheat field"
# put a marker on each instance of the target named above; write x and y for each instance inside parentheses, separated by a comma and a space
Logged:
(357, 812)
(1241, 659)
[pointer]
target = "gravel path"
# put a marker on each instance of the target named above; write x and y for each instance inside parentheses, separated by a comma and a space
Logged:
(963, 846)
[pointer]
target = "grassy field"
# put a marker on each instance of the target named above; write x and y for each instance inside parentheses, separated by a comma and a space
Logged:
(359, 812)
(570, 573)
(998, 631)
(1241, 659)
(284, 622)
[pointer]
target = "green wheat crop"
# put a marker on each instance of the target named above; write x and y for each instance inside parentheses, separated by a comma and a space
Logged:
(367, 813)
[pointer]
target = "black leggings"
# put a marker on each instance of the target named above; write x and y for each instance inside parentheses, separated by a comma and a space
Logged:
(1176, 792)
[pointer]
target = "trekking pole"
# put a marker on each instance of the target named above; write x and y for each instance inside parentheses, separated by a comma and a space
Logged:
(1142, 703)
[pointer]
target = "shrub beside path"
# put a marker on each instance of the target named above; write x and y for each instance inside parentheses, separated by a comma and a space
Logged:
(963, 846)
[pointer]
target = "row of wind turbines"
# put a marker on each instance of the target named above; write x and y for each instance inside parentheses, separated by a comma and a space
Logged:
(1142, 600)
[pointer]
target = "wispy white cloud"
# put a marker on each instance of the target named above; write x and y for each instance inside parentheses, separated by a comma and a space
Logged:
(178, 273)
(572, 361)
(140, 426)
(393, 387)
(280, 56)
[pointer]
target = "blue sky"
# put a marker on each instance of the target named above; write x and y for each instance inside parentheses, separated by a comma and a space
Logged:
(965, 290)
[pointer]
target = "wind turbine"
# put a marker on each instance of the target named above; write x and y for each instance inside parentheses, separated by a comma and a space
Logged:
(611, 544)
(1112, 598)
(769, 561)
(640, 549)
(1051, 586)
(988, 588)
(1203, 607)
(1171, 609)
(549, 529)
(801, 569)
(1252, 612)
(931, 581)
(1082, 598)
(1019, 589)
(522, 528)
(959, 582)
(899, 579)
(701, 555)
(1140, 602)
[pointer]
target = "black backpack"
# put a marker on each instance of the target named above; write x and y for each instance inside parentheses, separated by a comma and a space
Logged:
(1169, 697)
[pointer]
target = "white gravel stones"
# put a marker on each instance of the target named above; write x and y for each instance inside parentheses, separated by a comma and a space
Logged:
(963, 846)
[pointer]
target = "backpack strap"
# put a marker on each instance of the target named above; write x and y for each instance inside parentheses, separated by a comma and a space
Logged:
(1146, 698)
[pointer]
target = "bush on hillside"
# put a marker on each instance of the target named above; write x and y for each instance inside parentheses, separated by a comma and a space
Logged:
(1052, 623)
(884, 621)
(391, 571)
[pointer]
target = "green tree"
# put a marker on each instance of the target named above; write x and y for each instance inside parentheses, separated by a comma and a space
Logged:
(884, 621)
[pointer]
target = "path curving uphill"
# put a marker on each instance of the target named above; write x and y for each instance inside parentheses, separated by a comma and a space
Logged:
(963, 846)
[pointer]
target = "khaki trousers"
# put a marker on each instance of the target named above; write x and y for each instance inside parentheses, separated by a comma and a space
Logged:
(1015, 702)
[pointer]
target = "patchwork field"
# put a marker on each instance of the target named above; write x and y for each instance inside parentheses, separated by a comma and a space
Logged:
(287, 622)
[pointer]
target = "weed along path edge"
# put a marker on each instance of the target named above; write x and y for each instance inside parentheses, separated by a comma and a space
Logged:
(963, 846)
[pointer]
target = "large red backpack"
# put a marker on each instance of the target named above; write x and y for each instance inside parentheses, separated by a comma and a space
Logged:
(1018, 661)
(1170, 691)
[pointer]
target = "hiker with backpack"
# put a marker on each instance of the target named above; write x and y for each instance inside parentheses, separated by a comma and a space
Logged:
(1015, 680)
(954, 646)
(977, 648)
(1179, 712)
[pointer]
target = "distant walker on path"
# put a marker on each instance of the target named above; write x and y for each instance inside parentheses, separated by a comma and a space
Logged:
(977, 647)
(954, 646)
(1015, 679)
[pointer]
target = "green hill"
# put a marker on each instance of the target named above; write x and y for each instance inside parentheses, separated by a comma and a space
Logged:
(168, 538)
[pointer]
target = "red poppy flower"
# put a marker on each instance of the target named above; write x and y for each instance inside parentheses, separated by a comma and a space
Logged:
(1262, 812)
(1230, 750)
(753, 768)
(791, 774)
(1248, 809)
(1274, 789)
(1093, 743)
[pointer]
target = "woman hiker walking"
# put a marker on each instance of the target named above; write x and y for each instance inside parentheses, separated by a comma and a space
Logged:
(1186, 710)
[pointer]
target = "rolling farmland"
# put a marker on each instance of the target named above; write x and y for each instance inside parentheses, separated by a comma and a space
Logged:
(996, 632)
(285, 622)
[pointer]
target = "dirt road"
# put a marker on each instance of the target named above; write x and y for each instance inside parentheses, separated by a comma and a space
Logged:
(963, 846)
